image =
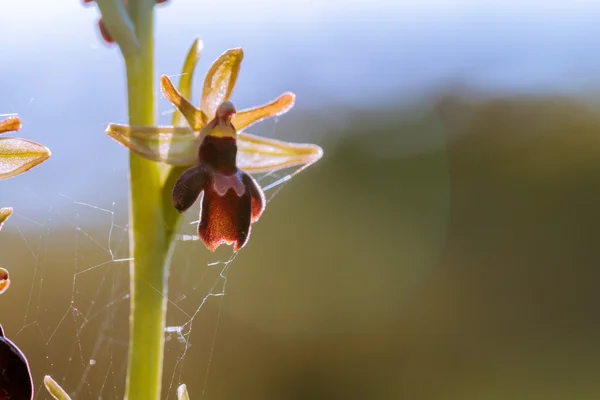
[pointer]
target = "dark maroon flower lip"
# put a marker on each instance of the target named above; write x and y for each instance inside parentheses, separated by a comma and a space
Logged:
(232, 200)
(15, 376)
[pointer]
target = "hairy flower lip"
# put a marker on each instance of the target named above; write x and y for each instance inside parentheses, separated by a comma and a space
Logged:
(231, 199)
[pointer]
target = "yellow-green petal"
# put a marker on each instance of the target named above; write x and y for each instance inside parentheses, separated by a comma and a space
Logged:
(54, 389)
(20, 155)
(187, 76)
(245, 118)
(10, 125)
(220, 80)
(258, 155)
(168, 144)
(194, 117)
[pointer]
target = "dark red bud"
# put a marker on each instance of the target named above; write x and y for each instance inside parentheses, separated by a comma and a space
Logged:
(104, 32)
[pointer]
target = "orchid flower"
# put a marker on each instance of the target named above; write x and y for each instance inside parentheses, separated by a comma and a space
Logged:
(220, 155)
(178, 145)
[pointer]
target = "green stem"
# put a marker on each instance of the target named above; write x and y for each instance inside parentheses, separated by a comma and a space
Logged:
(149, 247)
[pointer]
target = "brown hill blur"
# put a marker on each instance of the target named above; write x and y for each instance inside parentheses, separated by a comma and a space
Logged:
(446, 252)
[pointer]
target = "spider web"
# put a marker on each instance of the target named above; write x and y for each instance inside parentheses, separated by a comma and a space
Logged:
(82, 332)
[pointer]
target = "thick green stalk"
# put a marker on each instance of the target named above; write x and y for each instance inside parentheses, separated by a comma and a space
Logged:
(148, 243)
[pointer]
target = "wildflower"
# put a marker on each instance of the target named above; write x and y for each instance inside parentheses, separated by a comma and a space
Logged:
(178, 145)
(220, 154)
(15, 377)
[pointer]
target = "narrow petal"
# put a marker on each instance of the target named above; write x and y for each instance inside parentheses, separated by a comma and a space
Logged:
(15, 377)
(258, 197)
(10, 125)
(187, 76)
(245, 118)
(258, 155)
(194, 117)
(20, 155)
(188, 188)
(220, 80)
(224, 219)
(172, 145)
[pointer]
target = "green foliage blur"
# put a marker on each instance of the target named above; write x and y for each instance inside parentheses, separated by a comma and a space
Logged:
(446, 250)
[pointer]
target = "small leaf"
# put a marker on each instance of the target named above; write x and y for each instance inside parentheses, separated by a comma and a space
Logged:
(54, 389)
(169, 144)
(20, 155)
(257, 154)
(4, 214)
(194, 117)
(182, 393)
(220, 80)
(4, 281)
(10, 125)
(245, 118)
(187, 76)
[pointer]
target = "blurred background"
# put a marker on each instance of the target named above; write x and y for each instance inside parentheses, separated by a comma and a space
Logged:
(445, 247)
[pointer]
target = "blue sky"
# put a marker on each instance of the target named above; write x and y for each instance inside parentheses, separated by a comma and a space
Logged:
(67, 86)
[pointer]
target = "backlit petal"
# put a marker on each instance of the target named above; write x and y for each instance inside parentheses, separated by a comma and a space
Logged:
(10, 125)
(194, 117)
(245, 118)
(220, 80)
(169, 144)
(20, 155)
(258, 155)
